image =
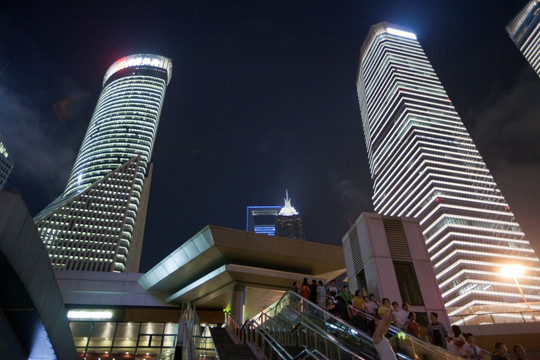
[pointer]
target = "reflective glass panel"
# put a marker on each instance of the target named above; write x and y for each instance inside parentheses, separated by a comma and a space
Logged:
(156, 340)
(152, 328)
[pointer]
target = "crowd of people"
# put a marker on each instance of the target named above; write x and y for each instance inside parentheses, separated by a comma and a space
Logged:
(346, 306)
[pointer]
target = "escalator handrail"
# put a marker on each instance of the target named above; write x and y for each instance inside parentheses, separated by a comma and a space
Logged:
(306, 322)
(393, 329)
(313, 327)
(334, 318)
(313, 354)
(250, 323)
(276, 346)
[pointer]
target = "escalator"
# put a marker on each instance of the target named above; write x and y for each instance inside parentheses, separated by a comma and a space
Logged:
(295, 321)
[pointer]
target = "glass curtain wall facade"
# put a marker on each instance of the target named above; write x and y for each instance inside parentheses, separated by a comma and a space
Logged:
(93, 227)
(524, 30)
(96, 340)
(424, 164)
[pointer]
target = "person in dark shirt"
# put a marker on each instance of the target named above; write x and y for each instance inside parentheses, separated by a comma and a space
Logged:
(500, 352)
(519, 352)
(437, 332)
(341, 309)
(313, 291)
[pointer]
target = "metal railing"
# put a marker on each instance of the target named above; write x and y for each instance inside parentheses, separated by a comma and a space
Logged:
(297, 314)
(293, 329)
(195, 345)
(251, 333)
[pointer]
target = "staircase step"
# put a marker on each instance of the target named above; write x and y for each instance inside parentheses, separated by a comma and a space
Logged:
(227, 349)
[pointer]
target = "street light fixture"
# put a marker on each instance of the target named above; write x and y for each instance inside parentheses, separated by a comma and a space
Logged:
(514, 271)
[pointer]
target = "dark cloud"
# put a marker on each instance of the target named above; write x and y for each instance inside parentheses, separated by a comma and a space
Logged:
(42, 155)
(507, 132)
(353, 196)
(507, 128)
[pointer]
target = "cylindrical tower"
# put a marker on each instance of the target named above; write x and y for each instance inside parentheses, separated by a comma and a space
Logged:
(125, 120)
(97, 224)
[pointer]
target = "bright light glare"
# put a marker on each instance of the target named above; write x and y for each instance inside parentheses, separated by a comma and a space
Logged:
(408, 35)
(512, 270)
(75, 314)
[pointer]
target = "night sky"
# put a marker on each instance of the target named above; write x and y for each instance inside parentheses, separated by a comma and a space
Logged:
(262, 99)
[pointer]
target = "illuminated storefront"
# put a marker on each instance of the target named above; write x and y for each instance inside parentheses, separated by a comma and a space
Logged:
(95, 340)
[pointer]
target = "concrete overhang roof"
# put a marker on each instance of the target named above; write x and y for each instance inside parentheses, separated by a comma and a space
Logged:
(214, 247)
(262, 286)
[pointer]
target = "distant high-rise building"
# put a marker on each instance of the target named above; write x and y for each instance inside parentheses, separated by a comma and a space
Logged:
(98, 222)
(524, 30)
(424, 164)
(6, 164)
(288, 223)
(262, 219)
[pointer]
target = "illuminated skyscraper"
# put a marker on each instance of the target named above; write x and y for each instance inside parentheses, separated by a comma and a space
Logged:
(262, 219)
(98, 222)
(524, 30)
(288, 223)
(424, 164)
(6, 164)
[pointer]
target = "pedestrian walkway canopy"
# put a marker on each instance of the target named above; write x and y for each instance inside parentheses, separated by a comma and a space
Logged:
(208, 269)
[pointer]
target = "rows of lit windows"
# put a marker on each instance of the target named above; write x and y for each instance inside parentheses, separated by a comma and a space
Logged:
(424, 164)
(458, 275)
(501, 249)
(403, 129)
(463, 268)
(421, 102)
(444, 219)
(405, 156)
(403, 187)
(90, 227)
(111, 104)
(504, 289)
(414, 84)
(411, 118)
(382, 45)
(395, 73)
(525, 32)
(465, 206)
(91, 223)
(448, 177)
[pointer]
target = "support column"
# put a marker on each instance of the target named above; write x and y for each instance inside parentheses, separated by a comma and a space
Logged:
(237, 302)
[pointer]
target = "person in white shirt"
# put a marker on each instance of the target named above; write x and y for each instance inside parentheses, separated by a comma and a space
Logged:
(470, 350)
(402, 315)
(332, 288)
(321, 295)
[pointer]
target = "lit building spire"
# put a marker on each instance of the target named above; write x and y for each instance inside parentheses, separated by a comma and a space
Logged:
(287, 209)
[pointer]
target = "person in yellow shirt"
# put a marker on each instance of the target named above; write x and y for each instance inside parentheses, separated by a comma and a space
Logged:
(382, 309)
(357, 300)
